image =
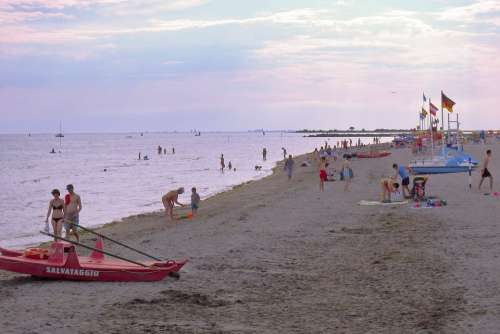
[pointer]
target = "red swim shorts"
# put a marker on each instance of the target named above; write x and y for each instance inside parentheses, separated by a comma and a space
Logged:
(322, 175)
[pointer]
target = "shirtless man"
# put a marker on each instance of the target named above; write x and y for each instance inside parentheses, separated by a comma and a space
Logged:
(72, 208)
(485, 172)
(169, 199)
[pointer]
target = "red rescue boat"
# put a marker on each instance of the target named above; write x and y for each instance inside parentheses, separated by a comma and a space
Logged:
(376, 154)
(62, 262)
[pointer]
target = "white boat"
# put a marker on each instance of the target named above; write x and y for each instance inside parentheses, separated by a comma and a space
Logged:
(449, 161)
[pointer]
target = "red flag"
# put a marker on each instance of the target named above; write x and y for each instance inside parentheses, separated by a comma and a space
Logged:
(433, 109)
(446, 102)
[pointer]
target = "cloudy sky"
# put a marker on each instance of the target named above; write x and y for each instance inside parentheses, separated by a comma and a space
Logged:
(116, 65)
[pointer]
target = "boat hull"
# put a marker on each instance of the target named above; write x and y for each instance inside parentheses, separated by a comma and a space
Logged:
(67, 265)
(439, 170)
(373, 155)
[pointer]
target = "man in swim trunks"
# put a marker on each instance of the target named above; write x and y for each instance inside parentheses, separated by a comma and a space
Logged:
(402, 171)
(169, 199)
(485, 172)
(72, 208)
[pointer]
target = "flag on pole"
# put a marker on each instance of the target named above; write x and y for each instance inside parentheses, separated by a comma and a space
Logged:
(446, 102)
(433, 109)
(425, 98)
(424, 112)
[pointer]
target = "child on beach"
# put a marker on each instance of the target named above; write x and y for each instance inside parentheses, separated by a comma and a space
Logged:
(322, 173)
(347, 173)
(389, 188)
(195, 201)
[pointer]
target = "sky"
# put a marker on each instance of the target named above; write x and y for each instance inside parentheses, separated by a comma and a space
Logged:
(164, 65)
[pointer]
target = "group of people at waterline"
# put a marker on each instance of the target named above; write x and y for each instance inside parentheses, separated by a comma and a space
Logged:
(64, 213)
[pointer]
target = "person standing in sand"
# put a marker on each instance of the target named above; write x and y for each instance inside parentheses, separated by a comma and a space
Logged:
(195, 201)
(169, 200)
(56, 208)
(347, 173)
(264, 154)
(485, 171)
(322, 173)
(289, 166)
(72, 208)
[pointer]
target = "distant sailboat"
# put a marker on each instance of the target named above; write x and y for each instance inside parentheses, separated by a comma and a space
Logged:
(60, 134)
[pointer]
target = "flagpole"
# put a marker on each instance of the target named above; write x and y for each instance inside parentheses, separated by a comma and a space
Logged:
(442, 114)
(430, 125)
(442, 122)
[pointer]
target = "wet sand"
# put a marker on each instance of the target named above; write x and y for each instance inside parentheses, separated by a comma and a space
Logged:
(278, 256)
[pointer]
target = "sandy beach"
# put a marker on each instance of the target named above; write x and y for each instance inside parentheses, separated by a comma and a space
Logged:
(278, 256)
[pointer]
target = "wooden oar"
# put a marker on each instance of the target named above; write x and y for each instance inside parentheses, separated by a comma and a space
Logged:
(94, 249)
(118, 243)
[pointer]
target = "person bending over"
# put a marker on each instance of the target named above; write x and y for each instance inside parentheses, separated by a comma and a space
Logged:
(169, 200)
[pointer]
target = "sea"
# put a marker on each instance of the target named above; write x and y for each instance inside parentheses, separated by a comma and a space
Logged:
(113, 183)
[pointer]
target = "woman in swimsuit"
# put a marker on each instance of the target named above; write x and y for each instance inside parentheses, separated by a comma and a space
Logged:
(56, 207)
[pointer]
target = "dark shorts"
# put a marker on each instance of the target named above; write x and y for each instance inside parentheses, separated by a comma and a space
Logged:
(405, 181)
(486, 173)
(194, 206)
(69, 221)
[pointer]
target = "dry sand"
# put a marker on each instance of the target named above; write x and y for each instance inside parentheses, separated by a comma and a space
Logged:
(274, 256)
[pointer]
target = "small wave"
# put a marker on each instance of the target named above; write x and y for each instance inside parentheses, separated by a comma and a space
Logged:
(37, 180)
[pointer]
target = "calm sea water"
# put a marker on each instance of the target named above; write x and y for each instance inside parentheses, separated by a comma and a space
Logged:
(129, 186)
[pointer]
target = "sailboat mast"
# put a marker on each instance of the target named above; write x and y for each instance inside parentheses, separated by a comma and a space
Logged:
(60, 136)
(430, 126)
